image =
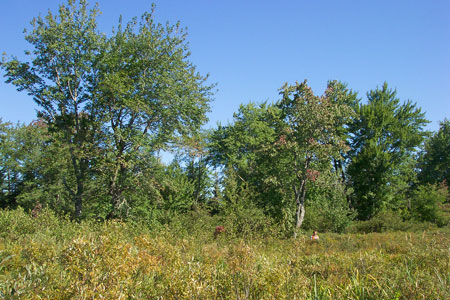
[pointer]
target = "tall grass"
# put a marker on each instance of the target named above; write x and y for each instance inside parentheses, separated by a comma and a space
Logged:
(52, 258)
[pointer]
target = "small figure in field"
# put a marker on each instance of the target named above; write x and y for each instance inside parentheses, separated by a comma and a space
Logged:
(36, 210)
(219, 230)
(315, 236)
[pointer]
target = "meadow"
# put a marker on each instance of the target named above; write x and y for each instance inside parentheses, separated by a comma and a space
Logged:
(50, 257)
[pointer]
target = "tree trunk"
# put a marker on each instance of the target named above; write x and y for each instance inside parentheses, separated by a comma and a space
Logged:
(78, 206)
(115, 191)
(300, 217)
(300, 196)
(300, 200)
(78, 199)
(80, 176)
(115, 187)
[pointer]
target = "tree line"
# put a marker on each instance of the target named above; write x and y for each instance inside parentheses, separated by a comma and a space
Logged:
(109, 104)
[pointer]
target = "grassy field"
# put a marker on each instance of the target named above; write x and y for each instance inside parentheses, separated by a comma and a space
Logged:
(51, 258)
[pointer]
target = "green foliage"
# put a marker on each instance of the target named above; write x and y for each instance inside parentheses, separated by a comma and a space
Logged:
(240, 147)
(59, 77)
(389, 221)
(327, 209)
(16, 222)
(108, 104)
(11, 154)
(194, 158)
(109, 101)
(426, 202)
(310, 139)
(385, 220)
(61, 259)
(148, 95)
(435, 159)
(241, 151)
(33, 168)
(239, 144)
(384, 140)
(177, 190)
(245, 220)
(240, 214)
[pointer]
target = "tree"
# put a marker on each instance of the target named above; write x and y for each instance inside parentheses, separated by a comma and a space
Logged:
(10, 168)
(238, 144)
(276, 151)
(435, 159)
(108, 99)
(309, 139)
(339, 94)
(149, 93)
(196, 166)
(384, 140)
(59, 77)
(31, 167)
(240, 150)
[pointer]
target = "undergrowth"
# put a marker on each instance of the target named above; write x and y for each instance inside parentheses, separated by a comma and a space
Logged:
(54, 258)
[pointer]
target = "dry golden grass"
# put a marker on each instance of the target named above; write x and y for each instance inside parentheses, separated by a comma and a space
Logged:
(49, 258)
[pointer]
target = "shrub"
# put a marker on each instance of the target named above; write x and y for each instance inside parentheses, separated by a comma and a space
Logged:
(14, 223)
(118, 260)
(426, 204)
(325, 216)
(245, 220)
(327, 208)
(385, 220)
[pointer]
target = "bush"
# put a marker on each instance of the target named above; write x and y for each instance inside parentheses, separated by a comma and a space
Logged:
(113, 260)
(388, 220)
(426, 204)
(247, 221)
(16, 223)
(385, 220)
(327, 208)
(324, 217)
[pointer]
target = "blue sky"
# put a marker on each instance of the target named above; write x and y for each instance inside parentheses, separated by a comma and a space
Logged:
(250, 48)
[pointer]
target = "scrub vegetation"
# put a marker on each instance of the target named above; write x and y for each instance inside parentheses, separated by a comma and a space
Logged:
(48, 257)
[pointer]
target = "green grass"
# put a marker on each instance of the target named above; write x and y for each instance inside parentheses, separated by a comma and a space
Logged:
(52, 258)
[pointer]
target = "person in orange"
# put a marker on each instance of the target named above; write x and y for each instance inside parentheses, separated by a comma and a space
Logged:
(315, 236)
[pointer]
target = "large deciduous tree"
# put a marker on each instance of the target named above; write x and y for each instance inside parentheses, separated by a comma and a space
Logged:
(340, 94)
(310, 138)
(59, 77)
(241, 149)
(108, 99)
(149, 94)
(384, 140)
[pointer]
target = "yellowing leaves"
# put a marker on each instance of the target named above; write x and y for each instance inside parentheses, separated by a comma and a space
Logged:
(115, 261)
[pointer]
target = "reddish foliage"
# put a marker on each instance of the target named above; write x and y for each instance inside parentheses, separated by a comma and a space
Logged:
(312, 174)
(38, 123)
(36, 210)
(219, 230)
(282, 140)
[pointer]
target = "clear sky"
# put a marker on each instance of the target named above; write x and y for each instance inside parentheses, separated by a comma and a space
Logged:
(250, 48)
